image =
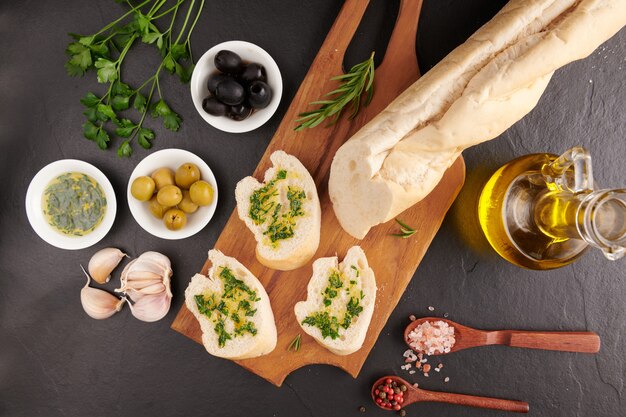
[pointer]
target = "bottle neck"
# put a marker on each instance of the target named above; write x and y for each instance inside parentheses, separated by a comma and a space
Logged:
(597, 217)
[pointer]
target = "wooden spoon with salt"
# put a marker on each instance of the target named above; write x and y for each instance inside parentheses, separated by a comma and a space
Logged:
(467, 337)
(413, 395)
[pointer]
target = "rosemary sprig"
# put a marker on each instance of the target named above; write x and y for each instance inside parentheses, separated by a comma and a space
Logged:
(405, 230)
(295, 343)
(360, 78)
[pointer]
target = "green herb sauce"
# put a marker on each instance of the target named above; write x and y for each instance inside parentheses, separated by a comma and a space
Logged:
(330, 319)
(235, 304)
(74, 204)
(265, 207)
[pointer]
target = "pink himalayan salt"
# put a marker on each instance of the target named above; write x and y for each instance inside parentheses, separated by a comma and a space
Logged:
(432, 337)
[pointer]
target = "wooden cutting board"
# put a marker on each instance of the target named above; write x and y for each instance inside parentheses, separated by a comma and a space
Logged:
(393, 260)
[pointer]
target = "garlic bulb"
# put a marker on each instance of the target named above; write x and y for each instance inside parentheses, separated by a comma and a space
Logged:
(99, 304)
(146, 282)
(103, 262)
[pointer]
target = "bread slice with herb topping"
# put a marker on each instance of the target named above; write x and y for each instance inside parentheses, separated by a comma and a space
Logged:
(340, 302)
(283, 212)
(233, 310)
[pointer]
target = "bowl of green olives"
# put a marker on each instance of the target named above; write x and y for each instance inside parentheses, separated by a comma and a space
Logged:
(172, 194)
(236, 86)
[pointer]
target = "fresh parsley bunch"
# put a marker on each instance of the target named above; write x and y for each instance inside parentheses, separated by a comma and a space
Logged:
(105, 52)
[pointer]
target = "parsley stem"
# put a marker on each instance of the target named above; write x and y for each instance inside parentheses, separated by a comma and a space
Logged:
(182, 30)
(194, 23)
(115, 22)
(155, 80)
(174, 8)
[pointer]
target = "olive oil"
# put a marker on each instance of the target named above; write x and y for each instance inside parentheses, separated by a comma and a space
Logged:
(541, 212)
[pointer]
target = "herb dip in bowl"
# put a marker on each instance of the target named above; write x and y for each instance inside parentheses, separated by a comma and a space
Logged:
(71, 204)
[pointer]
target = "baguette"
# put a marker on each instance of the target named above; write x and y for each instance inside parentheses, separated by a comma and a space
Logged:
(340, 302)
(473, 95)
(283, 213)
(236, 319)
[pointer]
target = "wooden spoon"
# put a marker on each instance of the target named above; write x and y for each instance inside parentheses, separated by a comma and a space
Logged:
(413, 395)
(467, 337)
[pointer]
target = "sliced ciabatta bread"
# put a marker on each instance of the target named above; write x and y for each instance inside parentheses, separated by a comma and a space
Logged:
(233, 310)
(340, 302)
(283, 212)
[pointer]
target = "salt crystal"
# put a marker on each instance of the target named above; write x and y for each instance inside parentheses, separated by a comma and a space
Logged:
(416, 385)
(446, 379)
(431, 308)
(437, 369)
(426, 374)
(412, 371)
(412, 317)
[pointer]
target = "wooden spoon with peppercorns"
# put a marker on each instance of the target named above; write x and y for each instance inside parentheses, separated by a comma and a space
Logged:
(467, 337)
(392, 389)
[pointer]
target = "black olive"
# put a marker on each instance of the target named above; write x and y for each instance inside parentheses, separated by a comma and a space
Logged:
(230, 92)
(214, 107)
(239, 112)
(253, 72)
(259, 95)
(228, 62)
(214, 80)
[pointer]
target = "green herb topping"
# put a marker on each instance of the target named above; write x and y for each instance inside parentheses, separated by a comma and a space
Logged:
(235, 304)
(331, 318)
(266, 208)
(74, 204)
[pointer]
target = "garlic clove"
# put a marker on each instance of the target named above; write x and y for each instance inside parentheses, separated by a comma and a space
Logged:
(99, 304)
(137, 285)
(146, 265)
(143, 276)
(158, 258)
(150, 308)
(103, 262)
(152, 289)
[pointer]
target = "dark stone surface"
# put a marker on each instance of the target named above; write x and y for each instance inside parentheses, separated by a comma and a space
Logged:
(55, 361)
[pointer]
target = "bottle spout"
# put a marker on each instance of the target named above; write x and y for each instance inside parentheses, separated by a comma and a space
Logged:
(604, 222)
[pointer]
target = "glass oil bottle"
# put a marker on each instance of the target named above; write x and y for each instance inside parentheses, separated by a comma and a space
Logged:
(542, 211)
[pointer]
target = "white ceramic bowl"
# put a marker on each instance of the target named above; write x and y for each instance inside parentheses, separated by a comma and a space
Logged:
(248, 52)
(34, 200)
(171, 158)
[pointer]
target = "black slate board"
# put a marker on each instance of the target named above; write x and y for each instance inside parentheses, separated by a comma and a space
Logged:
(55, 361)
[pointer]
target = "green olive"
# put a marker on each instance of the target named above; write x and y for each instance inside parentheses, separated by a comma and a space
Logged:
(187, 174)
(157, 209)
(163, 177)
(169, 196)
(201, 193)
(142, 188)
(186, 204)
(175, 219)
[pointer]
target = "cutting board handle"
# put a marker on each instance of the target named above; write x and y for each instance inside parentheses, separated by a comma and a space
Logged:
(400, 53)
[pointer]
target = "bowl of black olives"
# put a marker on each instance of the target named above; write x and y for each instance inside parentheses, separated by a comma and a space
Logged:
(236, 86)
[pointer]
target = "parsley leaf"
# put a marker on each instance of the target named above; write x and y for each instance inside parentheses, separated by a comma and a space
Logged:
(145, 137)
(90, 100)
(107, 70)
(172, 121)
(124, 150)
